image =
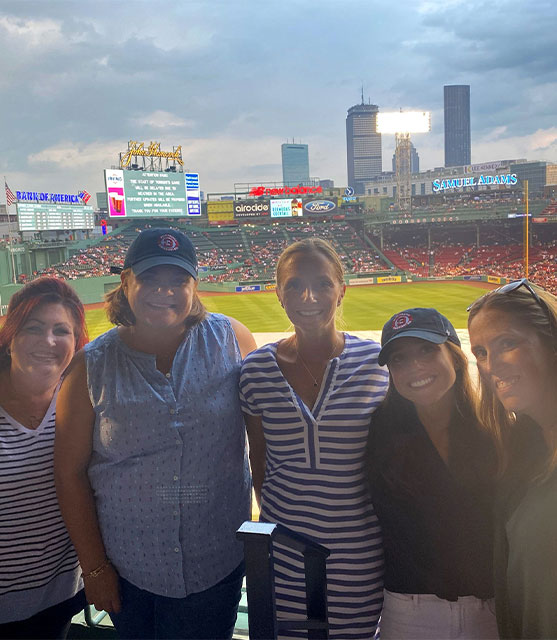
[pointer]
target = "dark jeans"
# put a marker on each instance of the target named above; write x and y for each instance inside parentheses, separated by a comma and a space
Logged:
(208, 615)
(49, 624)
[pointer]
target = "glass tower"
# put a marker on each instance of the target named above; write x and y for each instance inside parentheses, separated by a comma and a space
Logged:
(295, 164)
(457, 125)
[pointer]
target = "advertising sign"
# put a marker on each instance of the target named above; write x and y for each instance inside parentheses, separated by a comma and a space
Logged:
(509, 179)
(319, 206)
(248, 287)
(388, 279)
(283, 208)
(45, 196)
(358, 281)
(193, 195)
(252, 208)
(137, 149)
(284, 191)
(494, 279)
(54, 217)
(150, 194)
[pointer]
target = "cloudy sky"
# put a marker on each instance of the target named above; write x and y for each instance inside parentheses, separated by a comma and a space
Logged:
(230, 81)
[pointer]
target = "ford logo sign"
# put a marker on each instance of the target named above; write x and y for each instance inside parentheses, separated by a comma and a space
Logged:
(319, 206)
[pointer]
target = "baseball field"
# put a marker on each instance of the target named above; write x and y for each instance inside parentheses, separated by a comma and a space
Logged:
(365, 308)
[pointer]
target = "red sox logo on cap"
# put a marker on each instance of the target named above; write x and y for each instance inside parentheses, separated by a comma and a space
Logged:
(402, 320)
(168, 242)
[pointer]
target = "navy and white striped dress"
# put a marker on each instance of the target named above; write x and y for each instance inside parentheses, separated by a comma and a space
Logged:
(314, 479)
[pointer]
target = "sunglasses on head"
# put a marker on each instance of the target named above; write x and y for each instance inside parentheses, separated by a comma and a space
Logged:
(513, 286)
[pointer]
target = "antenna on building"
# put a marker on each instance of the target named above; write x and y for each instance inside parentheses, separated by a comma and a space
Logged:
(362, 93)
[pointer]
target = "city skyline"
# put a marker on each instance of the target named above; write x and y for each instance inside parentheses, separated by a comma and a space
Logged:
(82, 79)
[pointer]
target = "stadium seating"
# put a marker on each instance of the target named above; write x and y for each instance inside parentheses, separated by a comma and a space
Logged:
(250, 252)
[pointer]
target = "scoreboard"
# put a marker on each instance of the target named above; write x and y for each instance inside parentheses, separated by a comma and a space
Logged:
(152, 194)
(54, 217)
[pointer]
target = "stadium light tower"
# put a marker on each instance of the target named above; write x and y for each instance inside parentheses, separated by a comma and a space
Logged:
(402, 124)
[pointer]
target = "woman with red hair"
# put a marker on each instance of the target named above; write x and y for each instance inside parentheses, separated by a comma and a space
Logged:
(40, 583)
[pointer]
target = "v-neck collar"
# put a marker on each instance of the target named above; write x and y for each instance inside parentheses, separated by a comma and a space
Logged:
(327, 383)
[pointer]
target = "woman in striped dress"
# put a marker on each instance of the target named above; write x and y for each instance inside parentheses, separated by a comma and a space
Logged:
(40, 580)
(307, 402)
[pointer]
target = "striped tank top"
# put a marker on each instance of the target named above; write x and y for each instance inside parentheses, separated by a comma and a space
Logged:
(38, 564)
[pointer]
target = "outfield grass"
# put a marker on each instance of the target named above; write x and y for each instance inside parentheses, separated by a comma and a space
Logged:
(365, 308)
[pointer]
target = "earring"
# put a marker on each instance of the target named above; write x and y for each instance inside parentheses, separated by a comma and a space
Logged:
(8, 351)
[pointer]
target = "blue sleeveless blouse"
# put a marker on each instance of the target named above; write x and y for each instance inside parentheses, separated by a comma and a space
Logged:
(169, 467)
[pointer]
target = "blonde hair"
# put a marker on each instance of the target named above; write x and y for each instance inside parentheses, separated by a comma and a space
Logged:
(540, 317)
(119, 312)
(308, 247)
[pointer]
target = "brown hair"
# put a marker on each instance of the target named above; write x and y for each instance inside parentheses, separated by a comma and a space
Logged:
(474, 461)
(119, 312)
(46, 290)
(465, 394)
(540, 318)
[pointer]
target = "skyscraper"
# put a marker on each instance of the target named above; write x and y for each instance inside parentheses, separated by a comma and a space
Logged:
(414, 160)
(363, 145)
(295, 164)
(457, 125)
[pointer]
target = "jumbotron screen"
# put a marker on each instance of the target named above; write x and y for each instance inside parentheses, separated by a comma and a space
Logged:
(54, 217)
(152, 194)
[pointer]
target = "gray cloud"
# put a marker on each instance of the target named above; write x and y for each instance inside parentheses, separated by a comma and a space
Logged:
(230, 81)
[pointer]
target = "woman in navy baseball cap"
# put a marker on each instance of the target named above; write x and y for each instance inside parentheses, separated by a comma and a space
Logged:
(151, 464)
(431, 468)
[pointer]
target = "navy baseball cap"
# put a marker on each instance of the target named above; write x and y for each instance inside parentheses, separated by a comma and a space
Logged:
(427, 324)
(154, 247)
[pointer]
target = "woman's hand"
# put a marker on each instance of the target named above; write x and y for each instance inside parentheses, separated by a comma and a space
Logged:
(103, 590)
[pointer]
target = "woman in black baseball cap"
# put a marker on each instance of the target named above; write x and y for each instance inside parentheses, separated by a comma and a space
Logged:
(431, 482)
(151, 463)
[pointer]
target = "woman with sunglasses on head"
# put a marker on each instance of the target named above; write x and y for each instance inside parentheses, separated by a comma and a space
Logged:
(150, 460)
(513, 335)
(40, 581)
(431, 470)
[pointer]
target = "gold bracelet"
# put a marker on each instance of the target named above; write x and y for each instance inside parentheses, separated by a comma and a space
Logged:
(97, 572)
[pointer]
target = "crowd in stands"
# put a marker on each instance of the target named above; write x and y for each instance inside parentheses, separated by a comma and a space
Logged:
(250, 254)
(88, 263)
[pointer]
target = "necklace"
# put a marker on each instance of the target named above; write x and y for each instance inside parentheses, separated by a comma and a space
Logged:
(315, 380)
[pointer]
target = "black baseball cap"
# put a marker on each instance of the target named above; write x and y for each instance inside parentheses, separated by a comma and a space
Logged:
(154, 247)
(427, 324)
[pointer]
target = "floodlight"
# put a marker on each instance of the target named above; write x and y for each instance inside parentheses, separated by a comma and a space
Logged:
(404, 122)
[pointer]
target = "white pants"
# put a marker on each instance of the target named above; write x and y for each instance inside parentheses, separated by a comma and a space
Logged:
(427, 617)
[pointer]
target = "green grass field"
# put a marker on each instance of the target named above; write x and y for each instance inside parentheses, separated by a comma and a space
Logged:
(364, 308)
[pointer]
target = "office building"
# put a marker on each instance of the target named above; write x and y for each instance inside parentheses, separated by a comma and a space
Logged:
(363, 145)
(414, 160)
(295, 164)
(102, 201)
(457, 125)
(536, 173)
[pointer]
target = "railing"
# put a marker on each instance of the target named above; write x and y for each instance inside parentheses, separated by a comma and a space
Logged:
(93, 620)
(258, 539)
